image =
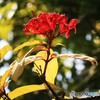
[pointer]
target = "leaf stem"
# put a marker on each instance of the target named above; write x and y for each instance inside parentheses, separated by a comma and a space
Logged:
(48, 54)
(43, 77)
(51, 89)
(4, 93)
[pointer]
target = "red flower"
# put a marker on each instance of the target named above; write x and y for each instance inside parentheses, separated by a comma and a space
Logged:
(66, 29)
(45, 25)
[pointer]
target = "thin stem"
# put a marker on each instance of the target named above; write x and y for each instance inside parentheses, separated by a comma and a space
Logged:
(46, 61)
(51, 89)
(39, 68)
(43, 78)
(48, 54)
(60, 34)
(4, 93)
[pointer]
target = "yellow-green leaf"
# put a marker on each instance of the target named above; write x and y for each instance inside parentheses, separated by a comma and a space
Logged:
(4, 77)
(29, 43)
(4, 50)
(21, 53)
(77, 56)
(52, 67)
(55, 44)
(30, 88)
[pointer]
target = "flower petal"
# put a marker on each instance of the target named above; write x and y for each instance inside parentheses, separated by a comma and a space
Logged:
(45, 25)
(72, 24)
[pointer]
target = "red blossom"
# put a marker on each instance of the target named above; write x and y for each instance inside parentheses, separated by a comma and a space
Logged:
(72, 24)
(45, 25)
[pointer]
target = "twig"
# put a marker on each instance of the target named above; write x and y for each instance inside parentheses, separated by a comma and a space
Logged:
(6, 96)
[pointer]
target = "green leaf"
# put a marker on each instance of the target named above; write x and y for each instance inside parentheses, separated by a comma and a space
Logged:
(5, 29)
(4, 50)
(29, 43)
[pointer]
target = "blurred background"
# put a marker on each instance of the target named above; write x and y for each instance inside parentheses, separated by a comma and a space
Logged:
(73, 74)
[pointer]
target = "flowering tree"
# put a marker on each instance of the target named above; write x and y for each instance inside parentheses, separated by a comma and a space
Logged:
(45, 61)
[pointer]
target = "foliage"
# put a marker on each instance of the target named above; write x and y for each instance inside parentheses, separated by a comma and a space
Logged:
(87, 14)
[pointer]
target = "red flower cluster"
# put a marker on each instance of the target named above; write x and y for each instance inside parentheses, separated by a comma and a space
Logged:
(45, 25)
